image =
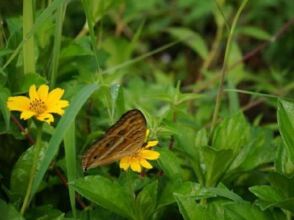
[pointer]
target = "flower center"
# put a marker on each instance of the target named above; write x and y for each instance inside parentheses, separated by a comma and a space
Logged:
(38, 106)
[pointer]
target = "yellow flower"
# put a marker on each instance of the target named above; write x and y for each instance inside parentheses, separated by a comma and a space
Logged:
(39, 104)
(139, 159)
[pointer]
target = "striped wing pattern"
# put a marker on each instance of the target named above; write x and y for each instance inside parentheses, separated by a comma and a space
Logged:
(124, 138)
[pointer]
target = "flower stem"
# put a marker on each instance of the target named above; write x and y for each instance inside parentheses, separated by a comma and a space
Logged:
(225, 66)
(36, 152)
(28, 45)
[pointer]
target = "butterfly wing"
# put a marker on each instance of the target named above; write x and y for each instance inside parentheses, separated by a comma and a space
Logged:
(124, 138)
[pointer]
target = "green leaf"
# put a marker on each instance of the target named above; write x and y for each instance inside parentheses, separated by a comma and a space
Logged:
(227, 134)
(24, 82)
(217, 163)
(191, 39)
(9, 212)
(4, 94)
(279, 194)
(177, 186)
(283, 163)
(244, 211)
(170, 163)
(147, 200)
(63, 125)
(190, 210)
(286, 125)
(46, 212)
(71, 165)
(255, 32)
(106, 193)
(260, 150)
(22, 170)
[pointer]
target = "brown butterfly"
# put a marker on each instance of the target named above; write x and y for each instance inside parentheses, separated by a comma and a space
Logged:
(122, 139)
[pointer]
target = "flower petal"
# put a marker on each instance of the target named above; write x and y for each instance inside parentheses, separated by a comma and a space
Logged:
(27, 114)
(33, 92)
(43, 92)
(18, 103)
(46, 117)
(149, 154)
(145, 163)
(54, 96)
(57, 107)
(151, 144)
(135, 165)
(124, 163)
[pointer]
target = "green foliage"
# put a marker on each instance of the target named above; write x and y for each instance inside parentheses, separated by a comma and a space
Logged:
(165, 58)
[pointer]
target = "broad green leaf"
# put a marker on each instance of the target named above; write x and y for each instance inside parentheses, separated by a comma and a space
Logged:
(65, 122)
(232, 133)
(190, 210)
(191, 39)
(217, 163)
(22, 170)
(170, 163)
(279, 194)
(283, 163)
(286, 125)
(106, 193)
(259, 150)
(177, 186)
(9, 212)
(244, 211)
(146, 200)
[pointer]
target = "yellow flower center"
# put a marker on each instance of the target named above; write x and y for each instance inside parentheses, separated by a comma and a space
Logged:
(38, 106)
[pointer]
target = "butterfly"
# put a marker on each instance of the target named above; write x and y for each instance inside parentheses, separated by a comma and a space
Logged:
(122, 139)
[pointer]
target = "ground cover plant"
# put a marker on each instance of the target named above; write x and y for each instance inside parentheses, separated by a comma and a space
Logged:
(198, 96)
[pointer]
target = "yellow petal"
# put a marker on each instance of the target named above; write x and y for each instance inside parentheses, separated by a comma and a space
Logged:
(27, 114)
(149, 154)
(46, 117)
(124, 163)
(18, 103)
(33, 92)
(62, 103)
(57, 107)
(54, 96)
(151, 144)
(43, 92)
(135, 165)
(145, 163)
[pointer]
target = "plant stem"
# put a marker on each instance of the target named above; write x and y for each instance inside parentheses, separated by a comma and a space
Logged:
(28, 46)
(36, 152)
(225, 66)
(57, 42)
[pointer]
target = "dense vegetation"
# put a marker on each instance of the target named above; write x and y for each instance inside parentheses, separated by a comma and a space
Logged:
(213, 78)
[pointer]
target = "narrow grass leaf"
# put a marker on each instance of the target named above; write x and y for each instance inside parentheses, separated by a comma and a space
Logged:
(65, 122)
(70, 160)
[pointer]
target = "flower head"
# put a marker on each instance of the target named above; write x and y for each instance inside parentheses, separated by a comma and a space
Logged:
(139, 159)
(40, 103)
